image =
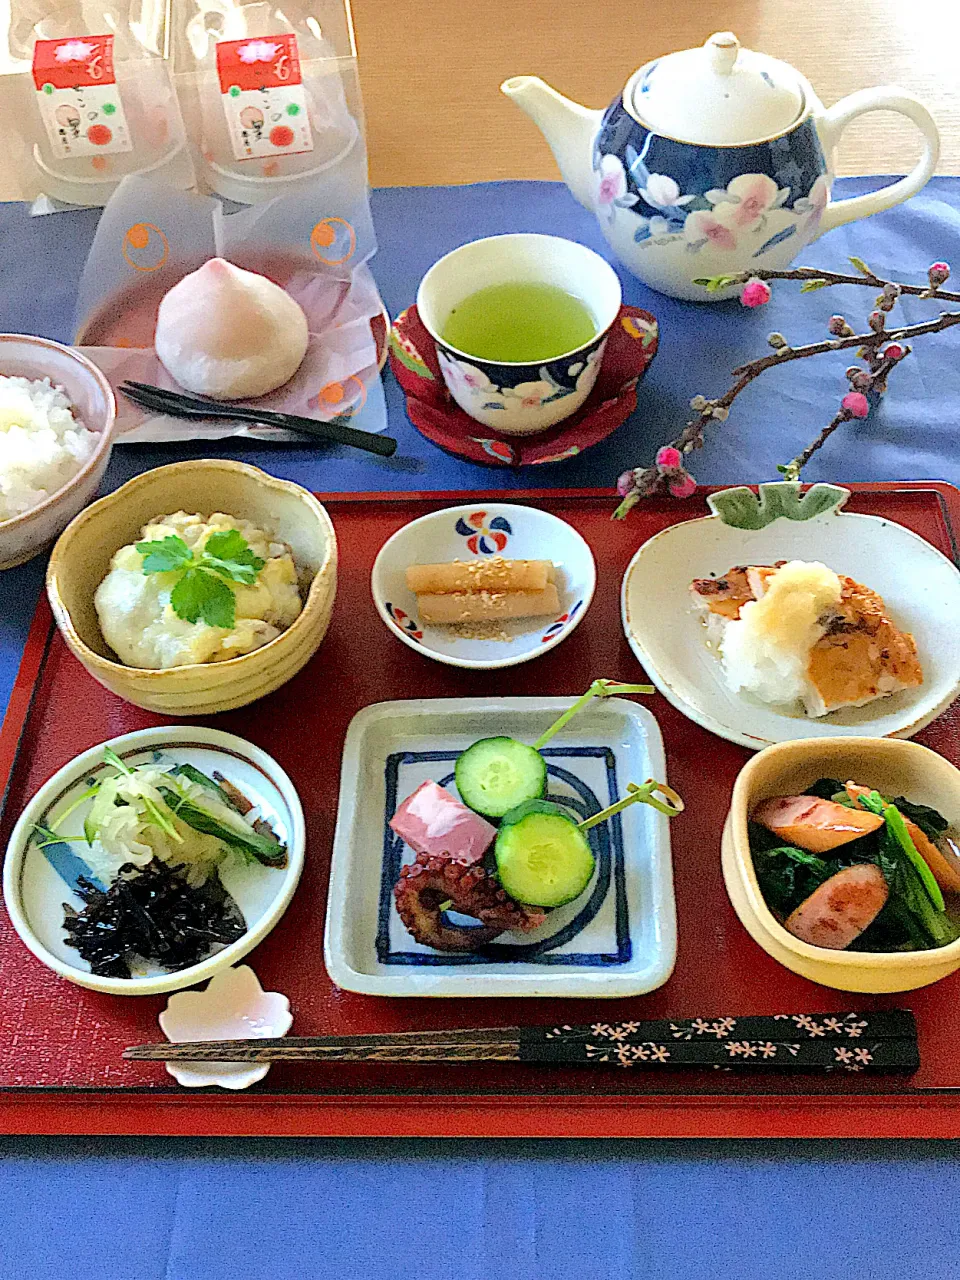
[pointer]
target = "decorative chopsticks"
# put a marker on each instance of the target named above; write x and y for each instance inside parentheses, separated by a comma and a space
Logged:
(177, 405)
(884, 1041)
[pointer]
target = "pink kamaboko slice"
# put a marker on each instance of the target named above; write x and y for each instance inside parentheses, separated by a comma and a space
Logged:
(432, 821)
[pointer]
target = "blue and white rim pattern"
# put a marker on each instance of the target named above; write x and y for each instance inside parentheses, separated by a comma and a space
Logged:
(606, 841)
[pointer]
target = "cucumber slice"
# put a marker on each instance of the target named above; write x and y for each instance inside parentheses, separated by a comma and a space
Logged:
(543, 858)
(496, 774)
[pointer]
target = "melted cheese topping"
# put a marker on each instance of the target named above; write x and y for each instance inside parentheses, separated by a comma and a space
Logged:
(140, 626)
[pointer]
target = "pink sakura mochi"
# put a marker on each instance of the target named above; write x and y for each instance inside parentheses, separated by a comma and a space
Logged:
(431, 821)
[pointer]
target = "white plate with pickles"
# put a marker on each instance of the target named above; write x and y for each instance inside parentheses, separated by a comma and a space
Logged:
(155, 860)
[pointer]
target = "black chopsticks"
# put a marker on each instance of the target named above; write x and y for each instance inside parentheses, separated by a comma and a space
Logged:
(178, 405)
(884, 1041)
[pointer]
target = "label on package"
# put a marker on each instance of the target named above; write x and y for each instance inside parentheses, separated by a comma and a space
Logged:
(79, 100)
(263, 97)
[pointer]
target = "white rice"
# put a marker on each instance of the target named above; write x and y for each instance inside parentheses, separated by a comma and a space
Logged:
(42, 445)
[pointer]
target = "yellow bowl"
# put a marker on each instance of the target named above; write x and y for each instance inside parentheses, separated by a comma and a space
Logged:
(82, 555)
(894, 767)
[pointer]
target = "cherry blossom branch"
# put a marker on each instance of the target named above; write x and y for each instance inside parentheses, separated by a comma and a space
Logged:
(793, 468)
(880, 349)
(784, 354)
(823, 279)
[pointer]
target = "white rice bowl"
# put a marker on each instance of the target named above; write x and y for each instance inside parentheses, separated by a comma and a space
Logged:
(42, 445)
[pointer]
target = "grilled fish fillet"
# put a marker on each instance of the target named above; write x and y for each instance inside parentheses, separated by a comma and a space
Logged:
(861, 655)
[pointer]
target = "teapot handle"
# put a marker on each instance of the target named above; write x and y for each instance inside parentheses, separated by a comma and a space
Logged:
(832, 122)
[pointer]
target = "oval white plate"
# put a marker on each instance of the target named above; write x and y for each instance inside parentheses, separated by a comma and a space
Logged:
(920, 586)
(34, 893)
(480, 532)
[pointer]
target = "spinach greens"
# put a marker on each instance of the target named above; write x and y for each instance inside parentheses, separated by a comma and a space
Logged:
(788, 875)
(914, 917)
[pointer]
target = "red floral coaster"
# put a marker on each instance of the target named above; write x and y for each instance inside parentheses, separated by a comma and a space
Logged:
(413, 357)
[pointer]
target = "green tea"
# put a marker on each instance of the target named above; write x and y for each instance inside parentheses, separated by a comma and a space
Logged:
(519, 323)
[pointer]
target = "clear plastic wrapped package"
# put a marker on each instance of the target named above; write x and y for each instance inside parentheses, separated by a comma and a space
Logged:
(90, 95)
(271, 94)
(247, 101)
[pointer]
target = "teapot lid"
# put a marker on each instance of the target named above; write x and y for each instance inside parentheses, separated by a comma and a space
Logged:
(717, 95)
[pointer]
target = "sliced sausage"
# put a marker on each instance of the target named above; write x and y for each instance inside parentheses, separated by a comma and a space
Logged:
(814, 824)
(838, 911)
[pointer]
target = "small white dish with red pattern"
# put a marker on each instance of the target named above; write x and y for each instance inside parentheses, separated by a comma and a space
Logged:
(481, 532)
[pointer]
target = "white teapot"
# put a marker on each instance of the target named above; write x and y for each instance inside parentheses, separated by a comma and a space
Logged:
(712, 161)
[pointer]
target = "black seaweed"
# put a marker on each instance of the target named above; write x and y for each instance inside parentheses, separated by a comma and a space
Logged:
(151, 912)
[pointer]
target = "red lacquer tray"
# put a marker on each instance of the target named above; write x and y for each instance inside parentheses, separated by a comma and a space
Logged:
(60, 1046)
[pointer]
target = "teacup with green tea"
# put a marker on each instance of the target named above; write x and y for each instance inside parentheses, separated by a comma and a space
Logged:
(520, 323)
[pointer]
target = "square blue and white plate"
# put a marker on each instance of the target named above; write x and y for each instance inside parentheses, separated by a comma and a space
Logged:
(617, 939)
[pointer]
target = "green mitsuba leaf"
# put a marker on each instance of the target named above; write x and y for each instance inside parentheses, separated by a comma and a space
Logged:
(165, 554)
(228, 554)
(201, 591)
(200, 594)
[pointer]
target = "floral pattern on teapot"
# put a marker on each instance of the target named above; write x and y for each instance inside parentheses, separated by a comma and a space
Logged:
(735, 200)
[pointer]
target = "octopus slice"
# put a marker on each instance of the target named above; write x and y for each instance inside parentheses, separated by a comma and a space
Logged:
(430, 882)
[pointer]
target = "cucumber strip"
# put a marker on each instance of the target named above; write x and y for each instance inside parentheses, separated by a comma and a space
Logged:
(266, 849)
(192, 774)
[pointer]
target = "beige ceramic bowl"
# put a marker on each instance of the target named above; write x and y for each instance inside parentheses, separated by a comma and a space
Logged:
(81, 558)
(23, 356)
(894, 767)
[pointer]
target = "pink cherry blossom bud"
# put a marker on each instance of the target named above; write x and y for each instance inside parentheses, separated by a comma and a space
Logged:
(627, 483)
(893, 351)
(852, 371)
(684, 488)
(668, 458)
(838, 326)
(856, 404)
(755, 294)
(938, 273)
(861, 380)
(877, 321)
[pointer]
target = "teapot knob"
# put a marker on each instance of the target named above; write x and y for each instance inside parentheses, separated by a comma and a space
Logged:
(723, 48)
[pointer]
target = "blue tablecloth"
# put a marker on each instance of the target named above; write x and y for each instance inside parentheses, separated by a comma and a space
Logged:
(181, 1210)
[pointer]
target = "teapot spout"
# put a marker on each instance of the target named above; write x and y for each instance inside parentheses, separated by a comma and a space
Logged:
(569, 129)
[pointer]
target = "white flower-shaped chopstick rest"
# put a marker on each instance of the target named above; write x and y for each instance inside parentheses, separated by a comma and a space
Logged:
(232, 1006)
